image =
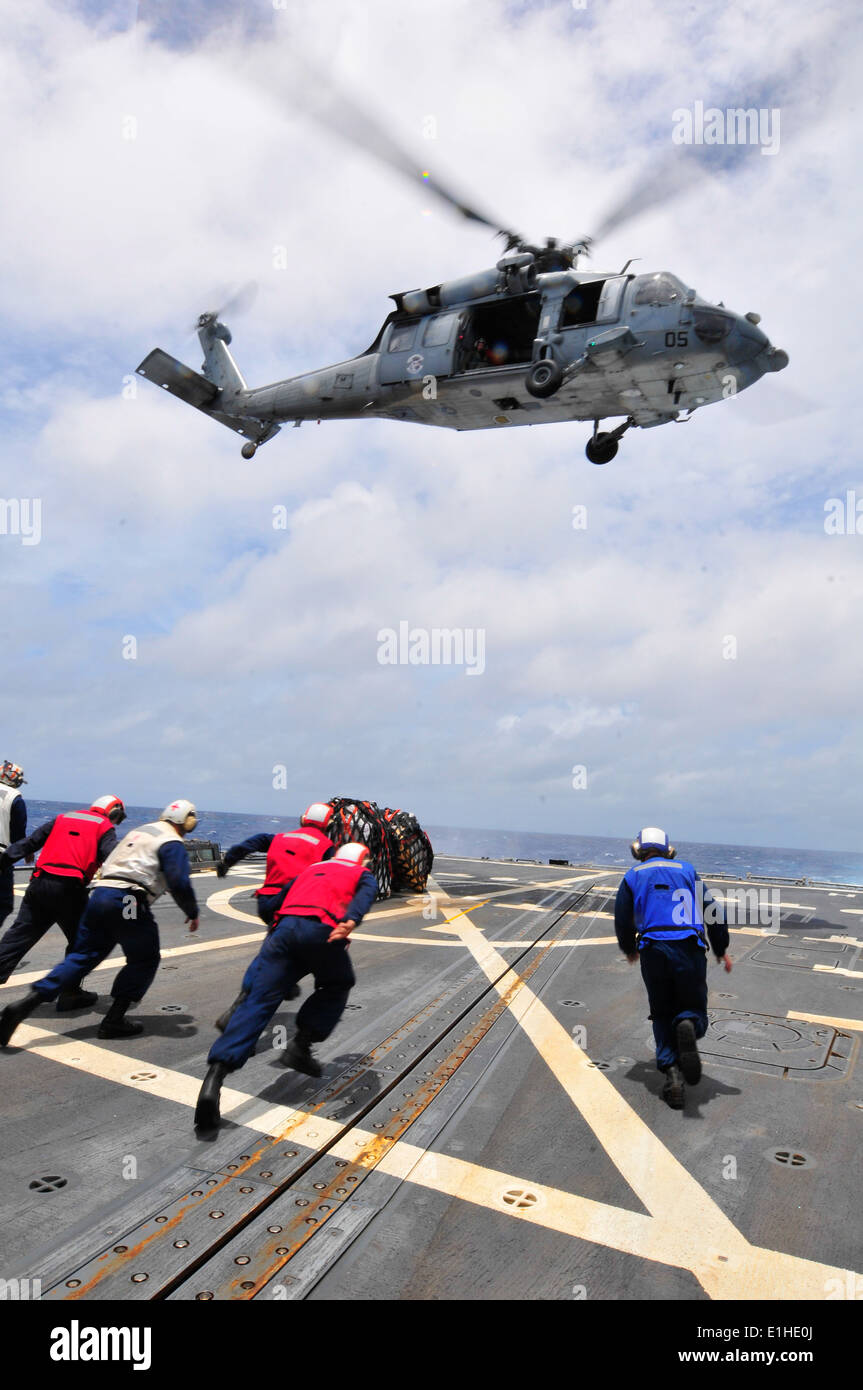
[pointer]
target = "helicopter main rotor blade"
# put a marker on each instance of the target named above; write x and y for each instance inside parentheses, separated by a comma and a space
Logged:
(801, 87)
(340, 113)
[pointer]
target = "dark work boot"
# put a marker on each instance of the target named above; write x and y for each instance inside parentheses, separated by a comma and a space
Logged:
(116, 1025)
(672, 1091)
(207, 1115)
(298, 1054)
(14, 1014)
(687, 1051)
(224, 1019)
(77, 998)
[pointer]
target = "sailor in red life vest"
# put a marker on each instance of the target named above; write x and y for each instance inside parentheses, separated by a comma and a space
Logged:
(288, 854)
(149, 861)
(72, 846)
(325, 904)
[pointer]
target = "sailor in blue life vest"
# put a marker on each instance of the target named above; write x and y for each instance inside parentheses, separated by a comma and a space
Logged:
(288, 853)
(661, 915)
(71, 847)
(13, 826)
(324, 905)
(149, 861)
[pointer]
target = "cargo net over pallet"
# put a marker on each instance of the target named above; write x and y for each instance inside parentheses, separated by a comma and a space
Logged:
(401, 851)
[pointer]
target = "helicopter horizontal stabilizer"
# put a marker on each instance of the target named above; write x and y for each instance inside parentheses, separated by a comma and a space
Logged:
(165, 371)
(193, 389)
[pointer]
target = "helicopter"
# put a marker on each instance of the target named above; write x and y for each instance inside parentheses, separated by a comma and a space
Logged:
(531, 340)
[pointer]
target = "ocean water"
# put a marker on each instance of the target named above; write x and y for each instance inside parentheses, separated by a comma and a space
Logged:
(228, 827)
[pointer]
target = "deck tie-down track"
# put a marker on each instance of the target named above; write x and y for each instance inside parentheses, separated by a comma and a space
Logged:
(234, 1228)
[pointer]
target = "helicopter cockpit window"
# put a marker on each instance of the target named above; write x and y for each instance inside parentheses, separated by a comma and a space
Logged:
(659, 289)
(402, 337)
(438, 330)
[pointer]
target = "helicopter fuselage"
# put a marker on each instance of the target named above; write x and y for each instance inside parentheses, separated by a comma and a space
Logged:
(502, 348)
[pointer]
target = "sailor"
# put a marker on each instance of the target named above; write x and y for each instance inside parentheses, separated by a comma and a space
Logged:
(661, 914)
(13, 826)
(148, 862)
(72, 846)
(288, 853)
(321, 909)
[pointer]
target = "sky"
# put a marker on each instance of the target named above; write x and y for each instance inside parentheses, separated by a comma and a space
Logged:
(159, 156)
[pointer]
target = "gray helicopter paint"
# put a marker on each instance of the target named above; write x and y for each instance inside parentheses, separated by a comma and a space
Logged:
(640, 358)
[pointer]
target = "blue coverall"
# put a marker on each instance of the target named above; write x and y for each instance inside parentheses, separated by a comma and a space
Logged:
(660, 907)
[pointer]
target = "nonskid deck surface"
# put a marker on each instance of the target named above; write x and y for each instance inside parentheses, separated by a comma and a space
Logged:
(488, 1124)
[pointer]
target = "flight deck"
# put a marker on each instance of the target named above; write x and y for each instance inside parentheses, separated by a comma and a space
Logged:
(488, 1125)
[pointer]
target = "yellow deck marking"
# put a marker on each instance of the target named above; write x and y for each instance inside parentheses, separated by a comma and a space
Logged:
(688, 1229)
(727, 1269)
(560, 1211)
(166, 1085)
(840, 970)
(840, 940)
(221, 903)
(849, 1025)
(685, 1228)
(113, 962)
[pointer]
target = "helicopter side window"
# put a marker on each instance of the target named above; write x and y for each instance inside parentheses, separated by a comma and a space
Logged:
(581, 304)
(438, 330)
(402, 337)
(658, 289)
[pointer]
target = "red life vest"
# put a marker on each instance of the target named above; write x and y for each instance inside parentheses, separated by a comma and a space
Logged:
(72, 848)
(323, 891)
(290, 853)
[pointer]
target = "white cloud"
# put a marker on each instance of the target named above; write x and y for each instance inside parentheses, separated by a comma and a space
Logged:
(257, 645)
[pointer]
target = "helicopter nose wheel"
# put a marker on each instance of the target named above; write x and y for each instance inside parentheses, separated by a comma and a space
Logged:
(601, 448)
(544, 378)
(249, 450)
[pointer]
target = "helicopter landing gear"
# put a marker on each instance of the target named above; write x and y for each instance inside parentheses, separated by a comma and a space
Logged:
(249, 450)
(544, 378)
(603, 446)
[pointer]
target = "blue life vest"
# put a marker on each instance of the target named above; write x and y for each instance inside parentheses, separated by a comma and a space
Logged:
(667, 902)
